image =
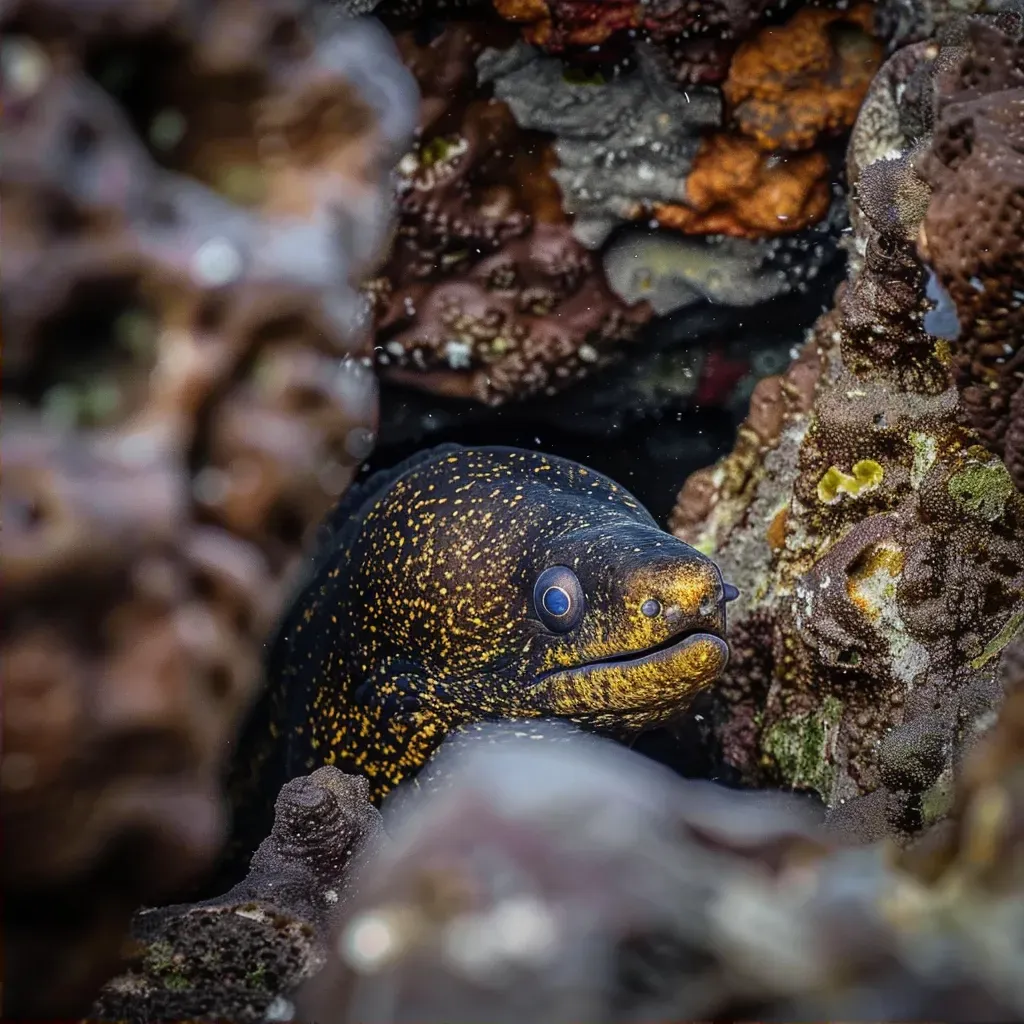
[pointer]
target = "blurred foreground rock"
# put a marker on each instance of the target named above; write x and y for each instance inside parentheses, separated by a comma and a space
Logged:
(229, 958)
(552, 876)
(866, 514)
(575, 881)
(186, 391)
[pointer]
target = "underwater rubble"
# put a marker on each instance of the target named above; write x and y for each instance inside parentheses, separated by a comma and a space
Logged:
(877, 540)
(187, 390)
(230, 957)
(562, 877)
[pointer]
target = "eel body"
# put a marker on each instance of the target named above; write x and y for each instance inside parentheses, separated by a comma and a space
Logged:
(472, 584)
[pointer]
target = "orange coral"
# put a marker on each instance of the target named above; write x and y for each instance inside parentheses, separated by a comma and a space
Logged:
(792, 83)
(580, 25)
(736, 188)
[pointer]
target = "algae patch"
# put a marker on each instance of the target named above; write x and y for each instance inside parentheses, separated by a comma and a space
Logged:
(982, 490)
(926, 451)
(800, 747)
(866, 476)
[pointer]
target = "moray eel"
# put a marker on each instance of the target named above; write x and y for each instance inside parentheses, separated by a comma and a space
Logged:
(470, 584)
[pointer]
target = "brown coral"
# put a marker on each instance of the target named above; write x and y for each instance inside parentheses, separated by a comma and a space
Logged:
(185, 398)
(973, 234)
(487, 294)
(879, 546)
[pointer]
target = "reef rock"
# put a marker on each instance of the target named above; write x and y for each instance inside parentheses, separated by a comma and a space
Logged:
(973, 233)
(231, 957)
(573, 880)
(877, 542)
(552, 881)
(187, 390)
(487, 294)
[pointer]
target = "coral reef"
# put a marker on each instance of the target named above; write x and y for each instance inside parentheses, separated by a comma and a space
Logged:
(635, 144)
(187, 390)
(491, 292)
(973, 234)
(623, 143)
(878, 544)
(229, 958)
(487, 294)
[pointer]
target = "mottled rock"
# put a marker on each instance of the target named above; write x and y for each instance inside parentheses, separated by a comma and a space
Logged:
(877, 543)
(231, 957)
(186, 392)
(487, 294)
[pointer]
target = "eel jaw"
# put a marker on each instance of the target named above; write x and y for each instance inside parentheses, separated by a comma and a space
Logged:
(637, 691)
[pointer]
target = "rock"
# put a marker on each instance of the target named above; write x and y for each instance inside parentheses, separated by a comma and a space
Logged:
(235, 956)
(877, 543)
(187, 390)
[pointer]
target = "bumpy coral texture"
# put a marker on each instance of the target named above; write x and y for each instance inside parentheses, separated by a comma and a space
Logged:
(879, 545)
(973, 235)
(228, 958)
(788, 89)
(185, 395)
(487, 294)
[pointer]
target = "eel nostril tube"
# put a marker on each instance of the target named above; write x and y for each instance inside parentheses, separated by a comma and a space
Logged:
(731, 592)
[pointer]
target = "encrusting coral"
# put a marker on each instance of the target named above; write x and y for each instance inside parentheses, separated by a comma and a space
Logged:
(487, 294)
(187, 390)
(788, 89)
(879, 545)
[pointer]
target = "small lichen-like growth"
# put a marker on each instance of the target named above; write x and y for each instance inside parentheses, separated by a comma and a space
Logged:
(866, 476)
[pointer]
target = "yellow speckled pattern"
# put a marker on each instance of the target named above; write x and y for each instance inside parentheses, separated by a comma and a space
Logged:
(421, 617)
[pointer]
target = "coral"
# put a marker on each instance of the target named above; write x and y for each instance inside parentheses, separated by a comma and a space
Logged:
(879, 546)
(623, 143)
(794, 83)
(558, 25)
(185, 396)
(737, 188)
(230, 957)
(487, 293)
(789, 87)
(973, 234)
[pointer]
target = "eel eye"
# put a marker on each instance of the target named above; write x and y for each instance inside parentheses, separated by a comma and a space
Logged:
(558, 599)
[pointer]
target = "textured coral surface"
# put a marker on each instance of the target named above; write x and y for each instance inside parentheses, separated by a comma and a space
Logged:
(879, 544)
(228, 958)
(973, 234)
(186, 391)
(487, 294)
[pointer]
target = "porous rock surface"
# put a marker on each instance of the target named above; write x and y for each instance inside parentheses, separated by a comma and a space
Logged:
(877, 541)
(573, 880)
(231, 957)
(187, 390)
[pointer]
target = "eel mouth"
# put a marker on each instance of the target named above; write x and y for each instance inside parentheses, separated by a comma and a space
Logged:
(653, 683)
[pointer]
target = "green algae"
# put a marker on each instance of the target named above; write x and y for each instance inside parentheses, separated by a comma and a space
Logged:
(982, 490)
(937, 800)
(866, 476)
(799, 747)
